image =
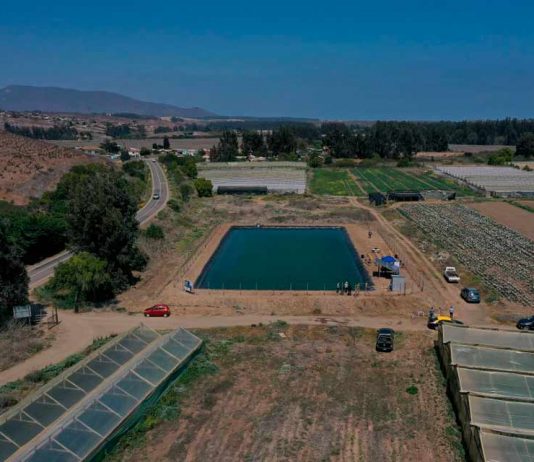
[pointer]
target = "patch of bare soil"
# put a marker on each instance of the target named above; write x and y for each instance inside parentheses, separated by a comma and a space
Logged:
(30, 167)
(303, 393)
(19, 343)
(508, 215)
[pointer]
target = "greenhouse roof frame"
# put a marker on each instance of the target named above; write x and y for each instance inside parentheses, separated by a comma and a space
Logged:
(69, 418)
(490, 374)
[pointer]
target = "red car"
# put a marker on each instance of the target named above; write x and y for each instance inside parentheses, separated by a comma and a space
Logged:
(158, 311)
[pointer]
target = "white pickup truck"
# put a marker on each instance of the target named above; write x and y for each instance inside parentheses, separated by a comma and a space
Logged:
(450, 274)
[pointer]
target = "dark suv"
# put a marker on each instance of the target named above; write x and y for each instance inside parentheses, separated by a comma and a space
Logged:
(470, 295)
(384, 339)
(526, 323)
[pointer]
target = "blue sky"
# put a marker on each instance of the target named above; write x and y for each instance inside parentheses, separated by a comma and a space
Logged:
(383, 59)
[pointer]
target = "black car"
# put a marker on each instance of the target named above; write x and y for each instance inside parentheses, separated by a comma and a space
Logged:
(526, 323)
(470, 295)
(384, 339)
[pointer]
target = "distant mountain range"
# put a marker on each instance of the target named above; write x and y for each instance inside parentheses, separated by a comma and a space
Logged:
(52, 99)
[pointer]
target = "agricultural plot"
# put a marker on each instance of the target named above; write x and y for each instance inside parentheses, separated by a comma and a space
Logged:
(503, 259)
(333, 183)
(302, 393)
(383, 179)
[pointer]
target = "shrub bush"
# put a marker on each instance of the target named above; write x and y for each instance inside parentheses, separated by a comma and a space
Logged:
(204, 187)
(154, 232)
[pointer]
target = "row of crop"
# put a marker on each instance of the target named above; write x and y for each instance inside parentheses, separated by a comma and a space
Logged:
(391, 179)
(502, 258)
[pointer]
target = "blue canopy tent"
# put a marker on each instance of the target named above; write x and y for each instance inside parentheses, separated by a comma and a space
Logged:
(388, 263)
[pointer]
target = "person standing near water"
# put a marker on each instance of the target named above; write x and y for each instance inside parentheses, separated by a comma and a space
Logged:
(338, 288)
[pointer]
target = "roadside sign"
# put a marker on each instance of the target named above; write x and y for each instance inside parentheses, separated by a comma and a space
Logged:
(22, 311)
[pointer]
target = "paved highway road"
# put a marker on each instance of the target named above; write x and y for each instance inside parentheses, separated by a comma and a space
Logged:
(41, 271)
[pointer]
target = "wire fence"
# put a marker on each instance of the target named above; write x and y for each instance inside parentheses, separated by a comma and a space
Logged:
(303, 289)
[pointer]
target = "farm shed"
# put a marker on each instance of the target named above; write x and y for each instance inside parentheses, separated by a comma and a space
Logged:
(491, 383)
(377, 199)
(82, 411)
(242, 190)
(405, 196)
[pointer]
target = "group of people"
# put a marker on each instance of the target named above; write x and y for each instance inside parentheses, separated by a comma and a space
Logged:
(432, 312)
(343, 288)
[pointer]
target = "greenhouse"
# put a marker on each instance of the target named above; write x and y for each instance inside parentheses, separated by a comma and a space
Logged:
(79, 412)
(491, 382)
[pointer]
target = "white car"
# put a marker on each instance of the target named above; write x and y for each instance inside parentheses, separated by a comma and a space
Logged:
(155, 196)
(451, 275)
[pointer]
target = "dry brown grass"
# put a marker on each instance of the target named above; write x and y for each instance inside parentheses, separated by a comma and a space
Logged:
(310, 394)
(18, 343)
(30, 167)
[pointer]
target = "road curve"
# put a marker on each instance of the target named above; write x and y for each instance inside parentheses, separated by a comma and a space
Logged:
(40, 272)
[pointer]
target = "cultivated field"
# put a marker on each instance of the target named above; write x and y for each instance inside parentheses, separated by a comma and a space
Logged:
(361, 181)
(508, 215)
(503, 259)
(504, 181)
(302, 393)
(385, 179)
(333, 182)
(280, 177)
(30, 167)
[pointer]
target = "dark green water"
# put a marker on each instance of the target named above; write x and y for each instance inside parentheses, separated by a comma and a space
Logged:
(283, 259)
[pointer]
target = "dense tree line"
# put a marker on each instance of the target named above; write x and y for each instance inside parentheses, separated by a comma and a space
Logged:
(282, 142)
(125, 131)
(390, 140)
(13, 277)
(403, 139)
(40, 133)
(227, 149)
(93, 212)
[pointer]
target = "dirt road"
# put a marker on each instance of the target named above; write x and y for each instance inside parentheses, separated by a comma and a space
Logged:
(77, 331)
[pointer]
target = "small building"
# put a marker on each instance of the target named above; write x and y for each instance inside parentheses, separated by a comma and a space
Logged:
(398, 283)
(405, 196)
(377, 199)
(134, 153)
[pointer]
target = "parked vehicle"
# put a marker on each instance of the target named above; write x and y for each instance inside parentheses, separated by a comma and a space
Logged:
(451, 275)
(155, 196)
(435, 322)
(526, 323)
(159, 310)
(470, 295)
(384, 339)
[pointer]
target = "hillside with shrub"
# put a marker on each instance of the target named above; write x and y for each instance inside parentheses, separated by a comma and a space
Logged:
(30, 167)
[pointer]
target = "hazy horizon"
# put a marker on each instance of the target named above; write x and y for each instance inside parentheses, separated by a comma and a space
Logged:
(410, 61)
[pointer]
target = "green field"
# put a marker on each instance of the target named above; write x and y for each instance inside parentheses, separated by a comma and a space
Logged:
(393, 179)
(361, 181)
(334, 183)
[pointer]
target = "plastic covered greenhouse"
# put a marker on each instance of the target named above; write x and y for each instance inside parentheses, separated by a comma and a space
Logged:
(490, 377)
(77, 414)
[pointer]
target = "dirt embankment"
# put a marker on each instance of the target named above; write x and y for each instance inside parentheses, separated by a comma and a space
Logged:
(30, 167)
